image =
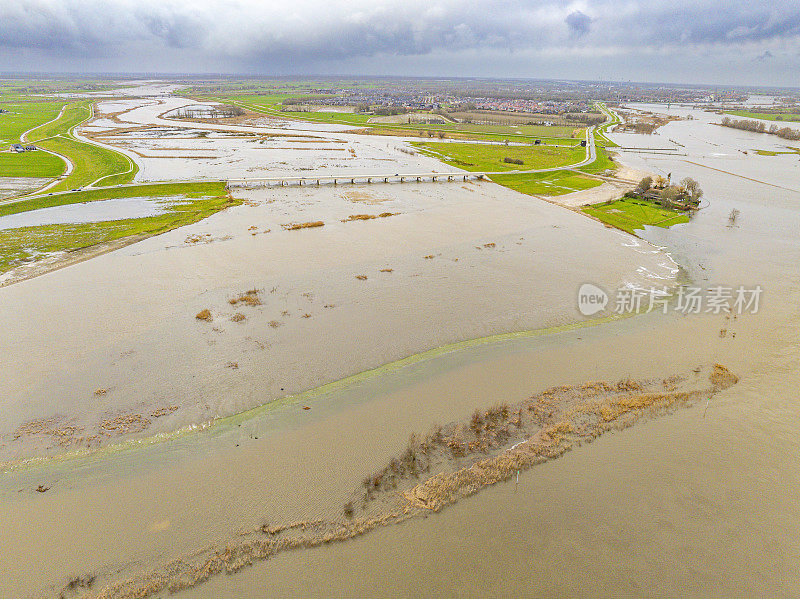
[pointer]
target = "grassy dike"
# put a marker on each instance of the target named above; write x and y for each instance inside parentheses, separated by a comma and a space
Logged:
(91, 163)
(28, 244)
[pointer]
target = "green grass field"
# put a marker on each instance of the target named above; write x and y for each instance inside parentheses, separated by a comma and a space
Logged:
(629, 214)
(546, 184)
(30, 164)
(22, 116)
(74, 114)
(27, 244)
(766, 116)
(489, 157)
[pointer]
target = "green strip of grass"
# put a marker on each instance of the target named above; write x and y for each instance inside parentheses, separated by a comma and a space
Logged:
(30, 164)
(546, 184)
(189, 190)
(73, 115)
(788, 116)
(629, 215)
(28, 244)
(90, 163)
(602, 162)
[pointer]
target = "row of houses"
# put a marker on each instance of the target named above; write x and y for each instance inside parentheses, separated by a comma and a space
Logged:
(19, 148)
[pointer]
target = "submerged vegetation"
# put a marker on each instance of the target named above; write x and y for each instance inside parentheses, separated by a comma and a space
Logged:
(437, 470)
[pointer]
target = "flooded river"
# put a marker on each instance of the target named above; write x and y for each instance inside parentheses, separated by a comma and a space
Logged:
(699, 503)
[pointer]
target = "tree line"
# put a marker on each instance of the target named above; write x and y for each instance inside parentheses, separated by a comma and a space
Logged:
(759, 127)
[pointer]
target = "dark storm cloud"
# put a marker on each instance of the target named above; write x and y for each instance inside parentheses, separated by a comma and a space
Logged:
(579, 23)
(314, 32)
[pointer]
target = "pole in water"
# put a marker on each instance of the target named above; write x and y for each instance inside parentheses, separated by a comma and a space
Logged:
(708, 401)
(516, 486)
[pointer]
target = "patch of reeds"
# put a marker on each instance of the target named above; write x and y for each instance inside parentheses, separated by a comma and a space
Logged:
(353, 217)
(298, 226)
(249, 298)
(452, 462)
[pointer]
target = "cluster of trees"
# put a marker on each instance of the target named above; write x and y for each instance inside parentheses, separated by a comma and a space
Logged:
(382, 110)
(641, 128)
(216, 112)
(439, 134)
(784, 132)
(309, 99)
(744, 124)
(588, 119)
(759, 127)
(686, 194)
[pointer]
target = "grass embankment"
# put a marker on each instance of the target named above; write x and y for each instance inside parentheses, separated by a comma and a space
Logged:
(489, 157)
(789, 116)
(27, 244)
(602, 162)
(91, 163)
(601, 132)
(630, 214)
(546, 184)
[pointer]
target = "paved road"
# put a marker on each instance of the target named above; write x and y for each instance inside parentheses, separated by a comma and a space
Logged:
(70, 166)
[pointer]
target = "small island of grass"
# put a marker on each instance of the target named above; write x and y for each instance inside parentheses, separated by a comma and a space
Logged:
(653, 203)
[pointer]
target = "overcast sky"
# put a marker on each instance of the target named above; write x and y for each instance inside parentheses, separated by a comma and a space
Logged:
(754, 42)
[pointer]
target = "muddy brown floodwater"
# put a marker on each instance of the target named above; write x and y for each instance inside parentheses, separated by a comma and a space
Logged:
(693, 495)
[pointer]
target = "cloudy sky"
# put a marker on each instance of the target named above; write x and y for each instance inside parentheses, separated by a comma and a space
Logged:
(701, 41)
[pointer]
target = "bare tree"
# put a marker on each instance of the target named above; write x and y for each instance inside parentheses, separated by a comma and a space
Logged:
(645, 184)
(693, 190)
